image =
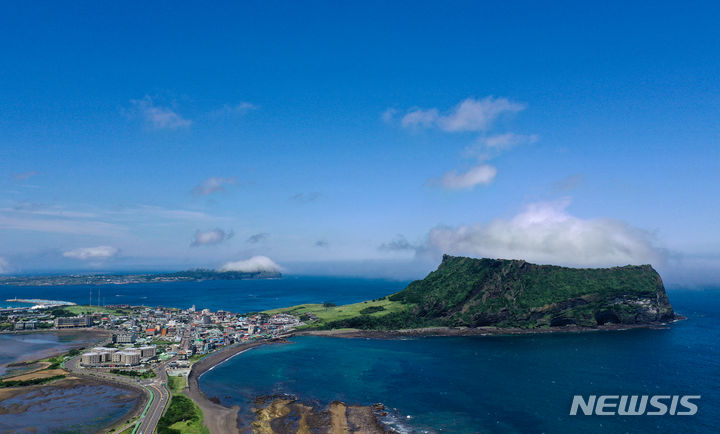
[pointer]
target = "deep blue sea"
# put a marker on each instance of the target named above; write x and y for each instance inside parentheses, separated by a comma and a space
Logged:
(238, 296)
(507, 384)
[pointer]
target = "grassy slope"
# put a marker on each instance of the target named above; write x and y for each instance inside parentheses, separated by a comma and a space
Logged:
(337, 313)
(192, 416)
(84, 309)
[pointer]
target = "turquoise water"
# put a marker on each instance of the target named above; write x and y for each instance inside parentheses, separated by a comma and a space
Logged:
(486, 384)
(510, 384)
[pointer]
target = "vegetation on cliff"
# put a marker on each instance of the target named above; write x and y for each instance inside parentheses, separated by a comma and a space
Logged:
(508, 293)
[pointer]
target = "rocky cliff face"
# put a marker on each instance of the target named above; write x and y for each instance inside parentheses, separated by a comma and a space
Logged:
(515, 293)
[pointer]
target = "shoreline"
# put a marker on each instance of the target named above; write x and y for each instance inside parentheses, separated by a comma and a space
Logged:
(64, 331)
(222, 419)
(95, 335)
(73, 379)
(472, 331)
(217, 417)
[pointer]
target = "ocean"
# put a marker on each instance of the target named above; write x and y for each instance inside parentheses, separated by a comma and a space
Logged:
(504, 384)
(238, 296)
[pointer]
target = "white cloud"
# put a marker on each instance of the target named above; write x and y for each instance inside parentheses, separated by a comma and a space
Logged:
(453, 180)
(233, 109)
(489, 147)
(507, 140)
(470, 115)
(92, 253)
(213, 185)
(420, 118)
(477, 115)
(389, 115)
(547, 233)
(214, 236)
(4, 265)
(254, 264)
(157, 116)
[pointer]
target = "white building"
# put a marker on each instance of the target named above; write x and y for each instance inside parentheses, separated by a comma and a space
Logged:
(124, 338)
(148, 351)
(90, 358)
(129, 357)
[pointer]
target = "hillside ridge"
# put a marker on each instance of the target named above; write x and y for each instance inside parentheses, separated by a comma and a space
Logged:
(506, 293)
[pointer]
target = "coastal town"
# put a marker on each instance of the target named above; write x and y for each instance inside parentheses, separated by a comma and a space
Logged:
(142, 347)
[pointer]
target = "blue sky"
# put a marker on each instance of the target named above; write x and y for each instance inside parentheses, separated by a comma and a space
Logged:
(361, 138)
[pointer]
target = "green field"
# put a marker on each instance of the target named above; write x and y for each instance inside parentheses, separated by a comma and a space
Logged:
(328, 314)
(177, 383)
(84, 310)
(183, 416)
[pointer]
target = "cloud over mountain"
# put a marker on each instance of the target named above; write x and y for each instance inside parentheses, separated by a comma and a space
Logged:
(546, 233)
(252, 265)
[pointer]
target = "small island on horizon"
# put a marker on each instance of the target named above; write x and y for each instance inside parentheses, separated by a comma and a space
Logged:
(195, 275)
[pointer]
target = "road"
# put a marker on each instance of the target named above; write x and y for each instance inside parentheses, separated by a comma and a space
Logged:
(161, 397)
(157, 386)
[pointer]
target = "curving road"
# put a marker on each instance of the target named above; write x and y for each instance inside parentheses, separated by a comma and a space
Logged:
(161, 398)
(156, 386)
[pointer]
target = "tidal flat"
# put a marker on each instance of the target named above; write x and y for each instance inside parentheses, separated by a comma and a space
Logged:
(21, 347)
(68, 405)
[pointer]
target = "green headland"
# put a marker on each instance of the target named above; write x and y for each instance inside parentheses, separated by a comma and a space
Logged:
(467, 292)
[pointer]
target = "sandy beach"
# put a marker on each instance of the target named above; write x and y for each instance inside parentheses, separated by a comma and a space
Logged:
(218, 418)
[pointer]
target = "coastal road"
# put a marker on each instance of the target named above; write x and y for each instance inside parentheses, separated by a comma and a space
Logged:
(161, 397)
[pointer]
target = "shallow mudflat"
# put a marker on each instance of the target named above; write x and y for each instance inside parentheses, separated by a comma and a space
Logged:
(20, 347)
(70, 405)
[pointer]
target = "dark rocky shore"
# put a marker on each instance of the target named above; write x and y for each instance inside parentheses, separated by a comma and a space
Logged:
(277, 413)
(473, 331)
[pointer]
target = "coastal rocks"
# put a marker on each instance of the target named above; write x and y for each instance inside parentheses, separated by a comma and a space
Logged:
(284, 413)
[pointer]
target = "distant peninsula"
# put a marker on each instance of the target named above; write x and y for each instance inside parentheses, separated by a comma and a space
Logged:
(498, 294)
(196, 275)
